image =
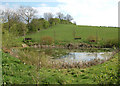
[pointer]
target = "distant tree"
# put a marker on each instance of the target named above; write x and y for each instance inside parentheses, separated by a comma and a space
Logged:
(22, 29)
(54, 21)
(68, 18)
(60, 15)
(34, 25)
(46, 24)
(47, 16)
(65, 22)
(38, 24)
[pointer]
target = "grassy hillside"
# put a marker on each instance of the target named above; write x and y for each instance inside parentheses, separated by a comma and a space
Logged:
(65, 32)
(16, 72)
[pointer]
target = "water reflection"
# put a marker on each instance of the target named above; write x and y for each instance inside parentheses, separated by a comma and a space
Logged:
(85, 56)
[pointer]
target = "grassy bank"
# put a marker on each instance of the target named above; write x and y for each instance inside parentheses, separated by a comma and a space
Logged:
(16, 72)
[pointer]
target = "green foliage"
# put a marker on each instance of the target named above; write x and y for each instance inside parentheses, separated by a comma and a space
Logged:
(5, 26)
(38, 24)
(109, 43)
(65, 22)
(17, 28)
(29, 42)
(34, 25)
(54, 21)
(10, 40)
(46, 24)
(106, 73)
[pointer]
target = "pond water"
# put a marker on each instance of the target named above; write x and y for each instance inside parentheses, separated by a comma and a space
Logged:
(85, 56)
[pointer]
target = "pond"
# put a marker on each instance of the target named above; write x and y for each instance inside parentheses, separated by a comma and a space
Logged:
(85, 56)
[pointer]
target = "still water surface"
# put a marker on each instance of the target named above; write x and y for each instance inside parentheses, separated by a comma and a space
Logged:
(85, 56)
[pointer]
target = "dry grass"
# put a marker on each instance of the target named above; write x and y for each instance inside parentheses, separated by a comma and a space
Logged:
(47, 40)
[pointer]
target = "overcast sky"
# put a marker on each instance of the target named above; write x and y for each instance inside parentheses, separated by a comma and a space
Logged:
(84, 12)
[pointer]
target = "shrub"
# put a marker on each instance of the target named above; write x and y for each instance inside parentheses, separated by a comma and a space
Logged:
(111, 43)
(10, 40)
(47, 40)
(92, 38)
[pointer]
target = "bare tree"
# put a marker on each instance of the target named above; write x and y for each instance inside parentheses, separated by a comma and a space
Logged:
(47, 16)
(60, 15)
(27, 13)
(9, 16)
(68, 17)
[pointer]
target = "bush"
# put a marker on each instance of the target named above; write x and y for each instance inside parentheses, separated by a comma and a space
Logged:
(47, 40)
(110, 43)
(92, 38)
(10, 40)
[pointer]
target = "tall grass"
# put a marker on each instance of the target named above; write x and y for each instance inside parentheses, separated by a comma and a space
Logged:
(32, 57)
(109, 43)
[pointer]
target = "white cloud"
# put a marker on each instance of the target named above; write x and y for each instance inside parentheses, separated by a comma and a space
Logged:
(43, 5)
(92, 12)
(42, 10)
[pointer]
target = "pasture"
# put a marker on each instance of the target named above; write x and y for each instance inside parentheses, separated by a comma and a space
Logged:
(67, 33)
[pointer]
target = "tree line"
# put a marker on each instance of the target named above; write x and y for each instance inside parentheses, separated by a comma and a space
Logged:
(24, 20)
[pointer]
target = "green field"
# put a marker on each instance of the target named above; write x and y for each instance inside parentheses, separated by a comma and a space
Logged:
(64, 32)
